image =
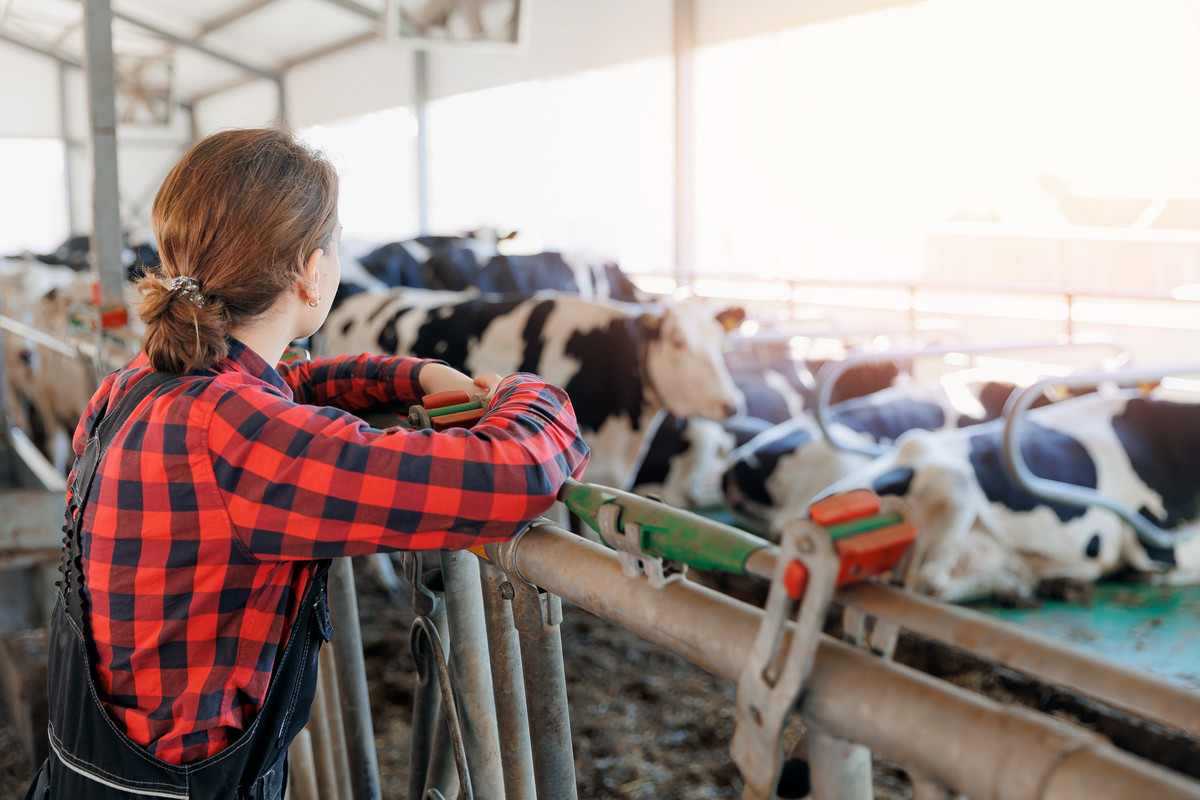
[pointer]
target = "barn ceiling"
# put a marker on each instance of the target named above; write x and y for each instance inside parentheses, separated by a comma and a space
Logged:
(204, 47)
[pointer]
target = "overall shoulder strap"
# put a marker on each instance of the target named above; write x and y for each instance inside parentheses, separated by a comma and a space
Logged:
(107, 424)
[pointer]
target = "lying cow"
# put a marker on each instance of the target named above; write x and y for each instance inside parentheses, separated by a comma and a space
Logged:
(790, 464)
(981, 535)
(621, 364)
(684, 463)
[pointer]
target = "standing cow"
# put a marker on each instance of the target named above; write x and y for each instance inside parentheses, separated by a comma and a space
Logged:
(981, 535)
(621, 364)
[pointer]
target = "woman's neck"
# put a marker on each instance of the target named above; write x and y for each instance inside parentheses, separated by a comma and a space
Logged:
(268, 334)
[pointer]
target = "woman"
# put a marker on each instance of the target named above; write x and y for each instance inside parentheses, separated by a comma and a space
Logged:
(183, 646)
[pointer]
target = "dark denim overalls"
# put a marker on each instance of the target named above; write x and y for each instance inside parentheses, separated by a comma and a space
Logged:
(90, 758)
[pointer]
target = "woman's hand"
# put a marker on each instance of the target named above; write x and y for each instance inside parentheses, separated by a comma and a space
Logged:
(441, 378)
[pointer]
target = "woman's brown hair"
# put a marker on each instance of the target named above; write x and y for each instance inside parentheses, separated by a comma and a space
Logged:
(238, 216)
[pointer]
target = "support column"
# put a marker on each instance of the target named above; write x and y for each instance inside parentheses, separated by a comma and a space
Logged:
(685, 209)
(420, 101)
(106, 201)
(68, 145)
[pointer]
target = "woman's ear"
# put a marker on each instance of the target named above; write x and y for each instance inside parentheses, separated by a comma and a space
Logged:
(312, 265)
(312, 272)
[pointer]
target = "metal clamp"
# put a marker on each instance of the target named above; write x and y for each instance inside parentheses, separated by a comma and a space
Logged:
(635, 561)
(774, 674)
(420, 576)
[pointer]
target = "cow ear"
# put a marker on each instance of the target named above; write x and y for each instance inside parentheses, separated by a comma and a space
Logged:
(652, 323)
(732, 318)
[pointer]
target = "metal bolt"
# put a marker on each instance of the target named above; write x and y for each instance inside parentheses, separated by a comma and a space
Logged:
(507, 591)
(806, 545)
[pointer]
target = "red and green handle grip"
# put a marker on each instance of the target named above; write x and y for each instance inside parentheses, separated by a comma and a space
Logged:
(867, 542)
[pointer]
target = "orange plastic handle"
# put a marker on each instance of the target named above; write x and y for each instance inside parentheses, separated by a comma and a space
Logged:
(843, 507)
(859, 556)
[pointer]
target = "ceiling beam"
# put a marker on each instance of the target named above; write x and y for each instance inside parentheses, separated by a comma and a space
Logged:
(328, 50)
(42, 49)
(357, 8)
(312, 55)
(232, 16)
(191, 44)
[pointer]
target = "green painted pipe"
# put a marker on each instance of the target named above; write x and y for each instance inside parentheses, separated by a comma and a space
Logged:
(666, 532)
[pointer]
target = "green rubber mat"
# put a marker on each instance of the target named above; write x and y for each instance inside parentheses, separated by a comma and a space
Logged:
(1151, 628)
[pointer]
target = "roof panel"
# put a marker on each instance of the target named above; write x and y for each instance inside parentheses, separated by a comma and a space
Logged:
(182, 17)
(196, 73)
(263, 34)
(285, 30)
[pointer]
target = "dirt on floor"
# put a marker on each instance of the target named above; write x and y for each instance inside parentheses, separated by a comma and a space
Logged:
(646, 724)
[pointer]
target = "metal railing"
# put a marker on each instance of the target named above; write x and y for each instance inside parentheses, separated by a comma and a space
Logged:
(829, 375)
(1072, 494)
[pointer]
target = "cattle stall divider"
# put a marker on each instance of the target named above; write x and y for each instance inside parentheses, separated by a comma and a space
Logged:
(852, 698)
(1052, 490)
(829, 374)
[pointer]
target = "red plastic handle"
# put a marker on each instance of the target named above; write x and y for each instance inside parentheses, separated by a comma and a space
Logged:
(451, 397)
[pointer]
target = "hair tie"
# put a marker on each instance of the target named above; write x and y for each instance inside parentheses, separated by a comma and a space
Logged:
(186, 287)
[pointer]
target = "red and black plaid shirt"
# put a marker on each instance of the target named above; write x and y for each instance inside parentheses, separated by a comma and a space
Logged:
(213, 501)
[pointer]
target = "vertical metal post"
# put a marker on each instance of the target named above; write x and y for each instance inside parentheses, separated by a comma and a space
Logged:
(838, 769)
(352, 680)
(471, 671)
(337, 729)
(504, 646)
(281, 115)
(420, 103)
(106, 200)
(68, 144)
(427, 710)
(302, 779)
(685, 209)
(322, 745)
(537, 615)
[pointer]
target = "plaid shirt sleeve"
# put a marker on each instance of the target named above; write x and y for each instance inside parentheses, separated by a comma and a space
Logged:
(306, 482)
(361, 384)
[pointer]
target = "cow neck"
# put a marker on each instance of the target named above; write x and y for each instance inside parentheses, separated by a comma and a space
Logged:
(652, 400)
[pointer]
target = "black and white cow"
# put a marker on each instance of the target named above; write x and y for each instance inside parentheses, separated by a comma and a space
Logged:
(684, 463)
(473, 260)
(981, 535)
(449, 263)
(589, 277)
(788, 465)
(620, 363)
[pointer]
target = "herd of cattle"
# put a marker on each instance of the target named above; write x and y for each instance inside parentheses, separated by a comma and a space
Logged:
(675, 405)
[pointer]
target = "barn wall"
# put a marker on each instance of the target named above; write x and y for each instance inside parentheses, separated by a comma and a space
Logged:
(250, 105)
(372, 77)
(717, 20)
(31, 103)
(564, 36)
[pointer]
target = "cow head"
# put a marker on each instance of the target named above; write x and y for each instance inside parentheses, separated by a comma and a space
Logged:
(684, 364)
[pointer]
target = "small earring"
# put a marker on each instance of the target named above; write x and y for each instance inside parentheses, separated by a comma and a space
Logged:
(314, 303)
